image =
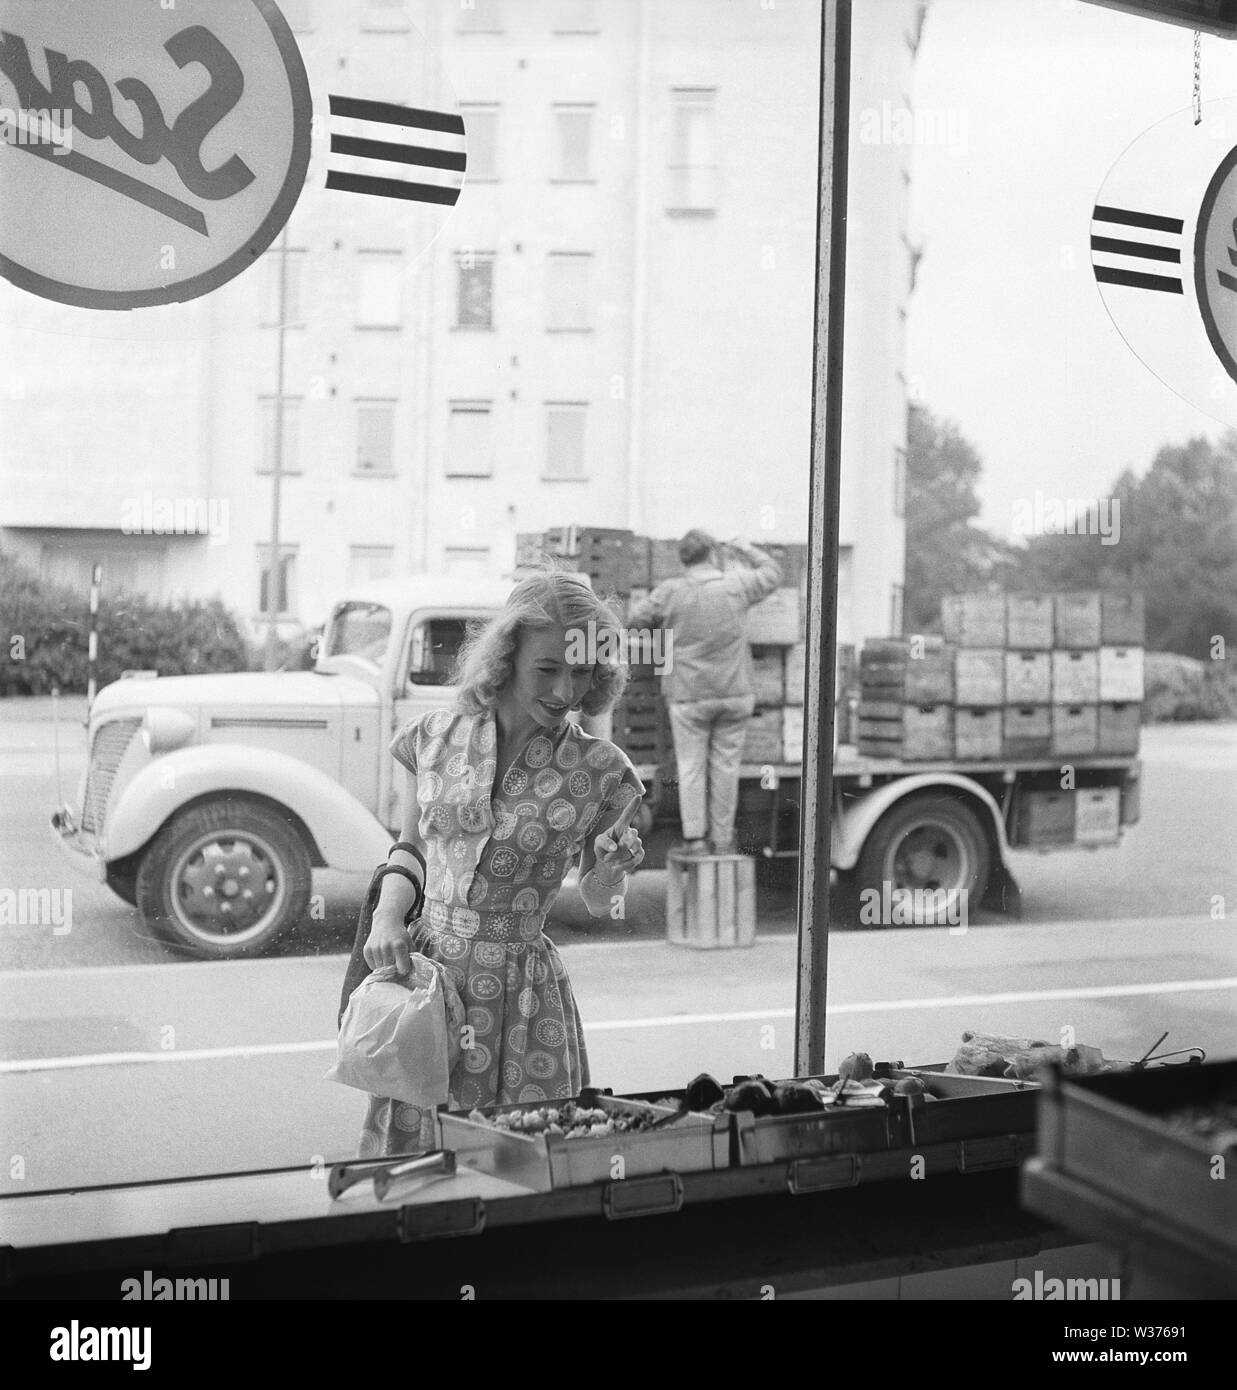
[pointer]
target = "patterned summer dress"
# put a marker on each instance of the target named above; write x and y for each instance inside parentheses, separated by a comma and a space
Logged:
(496, 858)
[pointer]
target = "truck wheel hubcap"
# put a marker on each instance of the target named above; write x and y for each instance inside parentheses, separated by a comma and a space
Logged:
(930, 856)
(228, 886)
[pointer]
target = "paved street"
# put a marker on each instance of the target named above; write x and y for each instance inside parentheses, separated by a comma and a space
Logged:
(121, 1062)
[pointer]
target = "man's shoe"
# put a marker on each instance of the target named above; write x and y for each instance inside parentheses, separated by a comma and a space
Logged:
(691, 849)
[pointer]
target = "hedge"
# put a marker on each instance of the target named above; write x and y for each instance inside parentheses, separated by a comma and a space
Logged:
(1180, 688)
(44, 630)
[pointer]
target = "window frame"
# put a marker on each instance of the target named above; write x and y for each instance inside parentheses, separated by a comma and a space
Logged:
(370, 403)
(558, 108)
(578, 409)
(462, 406)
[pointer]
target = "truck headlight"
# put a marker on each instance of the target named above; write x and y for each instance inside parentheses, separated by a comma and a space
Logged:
(164, 729)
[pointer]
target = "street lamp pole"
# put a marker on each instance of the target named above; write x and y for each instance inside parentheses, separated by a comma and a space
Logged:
(274, 573)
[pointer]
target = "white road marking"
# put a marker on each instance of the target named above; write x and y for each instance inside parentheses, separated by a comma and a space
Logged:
(618, 1025)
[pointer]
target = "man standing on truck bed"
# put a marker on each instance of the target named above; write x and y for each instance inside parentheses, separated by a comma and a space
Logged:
(708, 686)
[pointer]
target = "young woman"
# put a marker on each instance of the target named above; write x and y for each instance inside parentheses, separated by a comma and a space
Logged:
(504, 793)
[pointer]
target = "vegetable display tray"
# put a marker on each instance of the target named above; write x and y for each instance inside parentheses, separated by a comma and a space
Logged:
(548, 1162)
(1113, 1136)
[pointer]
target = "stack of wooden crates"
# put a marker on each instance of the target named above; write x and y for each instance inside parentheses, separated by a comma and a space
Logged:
(1014, 676)
(628, 566)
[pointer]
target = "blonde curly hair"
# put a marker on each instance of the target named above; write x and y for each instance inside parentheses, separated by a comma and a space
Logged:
(550, 597)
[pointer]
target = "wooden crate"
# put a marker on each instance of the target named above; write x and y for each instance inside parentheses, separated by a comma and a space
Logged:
(888, 670)
(792, 556)
(1119, 727)
(664, 562)
(1075, 730)
(1123, 620)
(1028, 678)
(796, 672)
(912, 732)
(979, 676)
(1045, 818)
(1075, 677)
(974, 620)
(1076, 619)
(777, 620)
(1026, 731)
(977, 732)
(792, 734)
(1121, 673)
(763, 737)
(768, 666)
(710, 901)
(1028, 621)
(1097, 816)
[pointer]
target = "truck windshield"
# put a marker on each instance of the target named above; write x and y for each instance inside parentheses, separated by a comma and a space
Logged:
(361, 630)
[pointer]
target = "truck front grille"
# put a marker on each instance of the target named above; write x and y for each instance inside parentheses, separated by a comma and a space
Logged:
(110, 742)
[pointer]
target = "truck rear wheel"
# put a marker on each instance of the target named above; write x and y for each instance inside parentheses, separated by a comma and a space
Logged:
(224, 879)
(930, 849)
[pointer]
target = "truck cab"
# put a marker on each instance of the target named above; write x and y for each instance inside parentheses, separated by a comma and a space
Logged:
(207, 801)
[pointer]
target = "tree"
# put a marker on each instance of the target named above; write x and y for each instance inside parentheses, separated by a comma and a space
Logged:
(1176, 541)
(946, 552)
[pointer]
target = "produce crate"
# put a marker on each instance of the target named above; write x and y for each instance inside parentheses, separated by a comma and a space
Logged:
(710, 901)
(1045, 818)
(1112, 1135)
(974, 620)
(979, 676)
(990, 1110)
(889, 671)
(1075, 730)
(1097, 816)
(792, 734)
(912, 732)
(529, 548)
(763, 737)
(1028, 678)
(1122, 618)
(1028, 621)
(1027, 731)
(768, 666)
(1121, 673)
(1077, 619)
(563, 541)
(546, 1163)
(796, 671)
(792, 556)
(977, 733)
(612, 558)
(664, 562)
(1075, 678)
(1119, 727)
(777, 620)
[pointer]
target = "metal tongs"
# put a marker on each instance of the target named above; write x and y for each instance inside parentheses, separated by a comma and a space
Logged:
(1196, 1055)
(387, 1173)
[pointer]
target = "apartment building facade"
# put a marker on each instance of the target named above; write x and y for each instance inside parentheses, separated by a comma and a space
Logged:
(612, 327)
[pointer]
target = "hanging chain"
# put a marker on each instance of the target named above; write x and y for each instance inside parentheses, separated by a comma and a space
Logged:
(1198, 97)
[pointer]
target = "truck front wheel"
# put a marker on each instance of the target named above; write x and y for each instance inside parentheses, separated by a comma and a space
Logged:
(224, 879)
(932, 852)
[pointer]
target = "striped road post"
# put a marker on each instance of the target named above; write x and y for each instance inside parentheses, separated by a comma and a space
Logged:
(92, 648)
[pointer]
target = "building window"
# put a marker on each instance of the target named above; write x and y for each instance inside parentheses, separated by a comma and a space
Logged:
(693, 156)
(384, 14)
(473, 561)
(575, 17)
(565, 439)
(293, 280)
(375, 428)
(291, 460)
(379, 289)
(573, 144)
(470, 446)
(370, 562)
(481, 136)
(285, 581)
(899, 482)
(895, 610)
(481, 16)
(567, 284)
(475, 290)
